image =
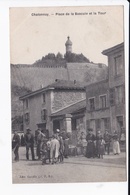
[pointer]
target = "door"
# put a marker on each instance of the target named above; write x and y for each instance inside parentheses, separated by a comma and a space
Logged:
(56, 125)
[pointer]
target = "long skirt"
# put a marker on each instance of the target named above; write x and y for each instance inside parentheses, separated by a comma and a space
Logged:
(116, 147)
(90, 150)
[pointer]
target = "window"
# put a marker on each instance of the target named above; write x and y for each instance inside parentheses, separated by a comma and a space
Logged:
(43, 114)
(118, 65)
(43, 98)
(119, 94)
(112, 96)
(103, 101)
(92, 104)
(26, 103)
(27, 118)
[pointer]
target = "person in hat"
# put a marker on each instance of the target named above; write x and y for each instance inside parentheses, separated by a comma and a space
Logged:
(107, 139)
(39, 142)
(29, 142)
(15, 145)
(90, 138)
(98, 137)
(116, 145)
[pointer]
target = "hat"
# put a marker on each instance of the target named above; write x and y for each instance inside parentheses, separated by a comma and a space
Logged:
(53, 136)
(90, 129)
(57, 130)
(28, 129)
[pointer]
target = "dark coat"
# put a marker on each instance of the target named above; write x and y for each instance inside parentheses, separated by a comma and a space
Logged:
(15, 141)
(90, 150)
(29, 139)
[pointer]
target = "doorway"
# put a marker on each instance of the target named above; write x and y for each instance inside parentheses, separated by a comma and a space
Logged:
(56, 125)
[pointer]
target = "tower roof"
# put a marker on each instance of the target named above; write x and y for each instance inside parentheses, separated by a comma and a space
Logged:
(68, 42)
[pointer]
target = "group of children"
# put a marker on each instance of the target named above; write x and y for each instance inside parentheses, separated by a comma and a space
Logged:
(52, 150)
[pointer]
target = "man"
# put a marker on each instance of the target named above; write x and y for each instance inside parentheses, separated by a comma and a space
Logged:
(66, 143)
(39, 141)
(15, 145)
(29, 142)
(98, 138)
(107, 139)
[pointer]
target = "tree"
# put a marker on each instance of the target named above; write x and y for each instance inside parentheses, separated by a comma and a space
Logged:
(73, 57)
(50, 56)
(59, 56)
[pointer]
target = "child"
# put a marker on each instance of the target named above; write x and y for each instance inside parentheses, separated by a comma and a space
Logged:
(101, 147)
(48, 148)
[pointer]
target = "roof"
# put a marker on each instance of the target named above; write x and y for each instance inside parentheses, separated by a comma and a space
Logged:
(71, 109)
(60, 85)
(111, 49)
(67, 84)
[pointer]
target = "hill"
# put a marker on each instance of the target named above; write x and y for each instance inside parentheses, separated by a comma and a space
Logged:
(26, 78)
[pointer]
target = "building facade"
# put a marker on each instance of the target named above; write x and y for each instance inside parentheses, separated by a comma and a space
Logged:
(105, 100)
(39, 106)
(116, 66)
(97, 106)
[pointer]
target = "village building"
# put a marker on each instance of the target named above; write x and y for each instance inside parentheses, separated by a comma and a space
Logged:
(26, 79)
(116, 67)
(54, 107)
(105, 100)
(97, 106)
(75, 106)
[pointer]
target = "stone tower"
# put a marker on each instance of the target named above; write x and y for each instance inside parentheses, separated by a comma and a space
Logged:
(68, 45)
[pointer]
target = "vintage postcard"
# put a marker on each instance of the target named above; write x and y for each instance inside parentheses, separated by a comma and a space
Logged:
(68, 94)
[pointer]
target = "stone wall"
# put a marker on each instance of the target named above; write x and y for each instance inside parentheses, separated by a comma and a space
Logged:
(65, 98)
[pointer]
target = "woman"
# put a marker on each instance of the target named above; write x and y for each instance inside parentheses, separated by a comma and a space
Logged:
(116, 146)
(90, 138)
(83, 142)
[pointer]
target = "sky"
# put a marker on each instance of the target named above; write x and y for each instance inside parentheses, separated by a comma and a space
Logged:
(91, 31)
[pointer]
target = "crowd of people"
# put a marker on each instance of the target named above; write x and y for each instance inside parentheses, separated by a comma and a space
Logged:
(55, 148)
(98, 144)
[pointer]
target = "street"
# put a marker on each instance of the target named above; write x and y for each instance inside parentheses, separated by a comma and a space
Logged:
(74, 169)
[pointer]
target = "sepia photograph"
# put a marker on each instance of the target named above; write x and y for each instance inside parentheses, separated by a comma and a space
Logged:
(68, 94)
